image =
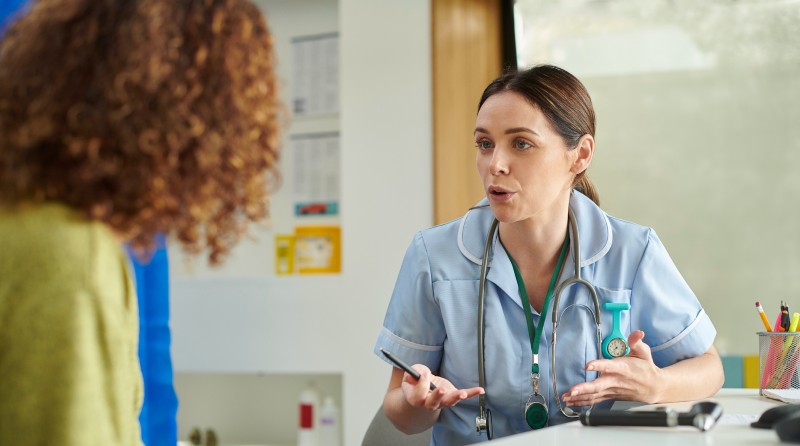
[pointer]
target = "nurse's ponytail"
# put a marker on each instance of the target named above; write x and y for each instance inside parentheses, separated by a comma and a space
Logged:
(562, 98)
(585, 186)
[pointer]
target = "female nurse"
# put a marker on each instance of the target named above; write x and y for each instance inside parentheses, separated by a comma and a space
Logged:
(534, 135)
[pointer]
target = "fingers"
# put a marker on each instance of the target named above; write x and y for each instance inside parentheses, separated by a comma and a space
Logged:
(589, 399)
(597, 390)
(627, 378)
(639, 349)
(441, 397)
(601, 389)
(455, 396)
(417, 390)
(635, 337)
(419, 394)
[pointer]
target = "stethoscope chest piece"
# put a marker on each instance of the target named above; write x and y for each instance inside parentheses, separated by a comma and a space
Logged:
(483, 422)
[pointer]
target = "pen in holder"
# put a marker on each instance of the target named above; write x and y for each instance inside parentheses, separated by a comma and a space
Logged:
(779, 355)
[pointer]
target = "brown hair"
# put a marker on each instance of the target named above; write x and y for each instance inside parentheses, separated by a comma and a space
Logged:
(152, 116)
(562, 98)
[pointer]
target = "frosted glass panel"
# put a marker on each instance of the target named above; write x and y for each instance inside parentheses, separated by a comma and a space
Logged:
(698, 109)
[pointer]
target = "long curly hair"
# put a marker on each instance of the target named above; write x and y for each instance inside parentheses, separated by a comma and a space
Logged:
(152, 116)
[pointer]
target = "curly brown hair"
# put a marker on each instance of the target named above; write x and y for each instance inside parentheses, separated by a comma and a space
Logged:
(152, 116)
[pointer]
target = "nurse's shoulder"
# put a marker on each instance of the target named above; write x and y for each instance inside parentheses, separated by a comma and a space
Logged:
(603, 234)
(632, 237)
(454, 249)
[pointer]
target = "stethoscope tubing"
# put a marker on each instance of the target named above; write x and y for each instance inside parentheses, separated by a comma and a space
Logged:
(575, 279)
(481, 324)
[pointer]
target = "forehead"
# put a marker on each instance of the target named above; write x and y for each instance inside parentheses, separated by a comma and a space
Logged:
(509, 109)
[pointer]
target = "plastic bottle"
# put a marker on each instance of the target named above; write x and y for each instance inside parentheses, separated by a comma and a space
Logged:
(308, 407)
(329, 423)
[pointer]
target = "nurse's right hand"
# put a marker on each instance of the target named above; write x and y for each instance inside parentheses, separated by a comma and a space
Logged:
(419, 394)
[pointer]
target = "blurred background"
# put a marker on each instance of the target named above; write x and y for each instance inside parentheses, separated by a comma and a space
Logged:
(698, 137)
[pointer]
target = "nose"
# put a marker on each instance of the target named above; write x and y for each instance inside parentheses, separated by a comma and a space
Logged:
(499, 162)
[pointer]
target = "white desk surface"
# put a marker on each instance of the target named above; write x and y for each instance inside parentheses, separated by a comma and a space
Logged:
(740, 407)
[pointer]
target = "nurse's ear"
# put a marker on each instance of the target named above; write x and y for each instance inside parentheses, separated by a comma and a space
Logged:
(582, 154)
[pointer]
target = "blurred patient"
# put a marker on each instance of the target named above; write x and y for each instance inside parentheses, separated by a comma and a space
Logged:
(119, 120)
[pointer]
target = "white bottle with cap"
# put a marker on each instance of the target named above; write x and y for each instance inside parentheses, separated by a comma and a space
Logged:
(307, 432)
(329, 424)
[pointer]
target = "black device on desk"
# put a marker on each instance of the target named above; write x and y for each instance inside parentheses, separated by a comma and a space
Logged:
(703, 415)
(784, 419)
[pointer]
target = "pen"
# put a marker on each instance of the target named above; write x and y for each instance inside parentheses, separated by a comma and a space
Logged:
(404, 366)
(763, 316)
(785, 319)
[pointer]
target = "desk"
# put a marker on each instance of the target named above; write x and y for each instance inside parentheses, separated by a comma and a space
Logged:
(739, 407)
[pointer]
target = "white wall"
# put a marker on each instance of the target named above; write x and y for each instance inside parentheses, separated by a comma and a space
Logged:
(697, 137)
(240, 318)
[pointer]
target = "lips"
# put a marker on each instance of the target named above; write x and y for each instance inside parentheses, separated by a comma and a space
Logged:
(496, 190)
(499, 194)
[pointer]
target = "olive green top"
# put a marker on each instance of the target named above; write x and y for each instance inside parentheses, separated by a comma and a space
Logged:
(69, 370)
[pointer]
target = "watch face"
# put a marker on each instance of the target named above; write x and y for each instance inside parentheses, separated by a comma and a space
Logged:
(617, 347)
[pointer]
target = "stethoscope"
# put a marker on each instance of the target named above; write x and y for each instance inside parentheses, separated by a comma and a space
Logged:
(615, 344)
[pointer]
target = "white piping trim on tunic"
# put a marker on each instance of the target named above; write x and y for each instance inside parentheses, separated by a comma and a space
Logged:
(409, 344)
(584, 263)
(682, 335)
(461, 246)
(605, 248)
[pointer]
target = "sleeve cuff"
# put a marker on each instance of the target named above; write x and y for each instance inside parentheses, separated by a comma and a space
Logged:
(695, 340)
(410, 352)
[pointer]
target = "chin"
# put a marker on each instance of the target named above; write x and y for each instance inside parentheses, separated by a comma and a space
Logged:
(503, 213)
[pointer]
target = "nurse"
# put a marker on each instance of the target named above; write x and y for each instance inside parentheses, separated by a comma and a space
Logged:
(534, 138)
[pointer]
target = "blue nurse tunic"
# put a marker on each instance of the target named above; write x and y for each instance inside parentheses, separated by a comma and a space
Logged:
(432, 314)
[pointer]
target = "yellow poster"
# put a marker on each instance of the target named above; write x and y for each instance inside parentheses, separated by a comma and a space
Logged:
(317, 249)
(284, 255)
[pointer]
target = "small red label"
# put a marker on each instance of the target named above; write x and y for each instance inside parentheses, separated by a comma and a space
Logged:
(306, 416)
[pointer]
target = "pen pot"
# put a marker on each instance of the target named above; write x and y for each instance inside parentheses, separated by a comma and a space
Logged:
(779, 357)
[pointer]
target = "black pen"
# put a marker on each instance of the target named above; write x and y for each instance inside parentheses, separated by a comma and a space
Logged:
(404, 366)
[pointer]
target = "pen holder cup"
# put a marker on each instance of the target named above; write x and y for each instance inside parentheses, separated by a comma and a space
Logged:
(779, 361)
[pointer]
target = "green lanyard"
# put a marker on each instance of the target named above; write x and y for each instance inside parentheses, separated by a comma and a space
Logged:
(535, 333)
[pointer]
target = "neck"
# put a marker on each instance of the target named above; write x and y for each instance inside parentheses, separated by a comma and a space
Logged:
(536, 241)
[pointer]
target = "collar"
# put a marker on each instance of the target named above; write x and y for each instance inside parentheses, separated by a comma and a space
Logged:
(594, 230)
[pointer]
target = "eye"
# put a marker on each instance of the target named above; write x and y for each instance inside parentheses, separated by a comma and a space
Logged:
(483, 144)
(521, 144)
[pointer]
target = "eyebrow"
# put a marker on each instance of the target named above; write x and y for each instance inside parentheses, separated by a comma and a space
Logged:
(509, 131)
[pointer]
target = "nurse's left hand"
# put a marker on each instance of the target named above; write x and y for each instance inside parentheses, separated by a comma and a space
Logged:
(633, 378)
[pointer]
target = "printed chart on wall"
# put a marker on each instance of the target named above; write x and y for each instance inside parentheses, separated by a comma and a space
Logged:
(316, 174)
(313, 249)
(315, 83)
